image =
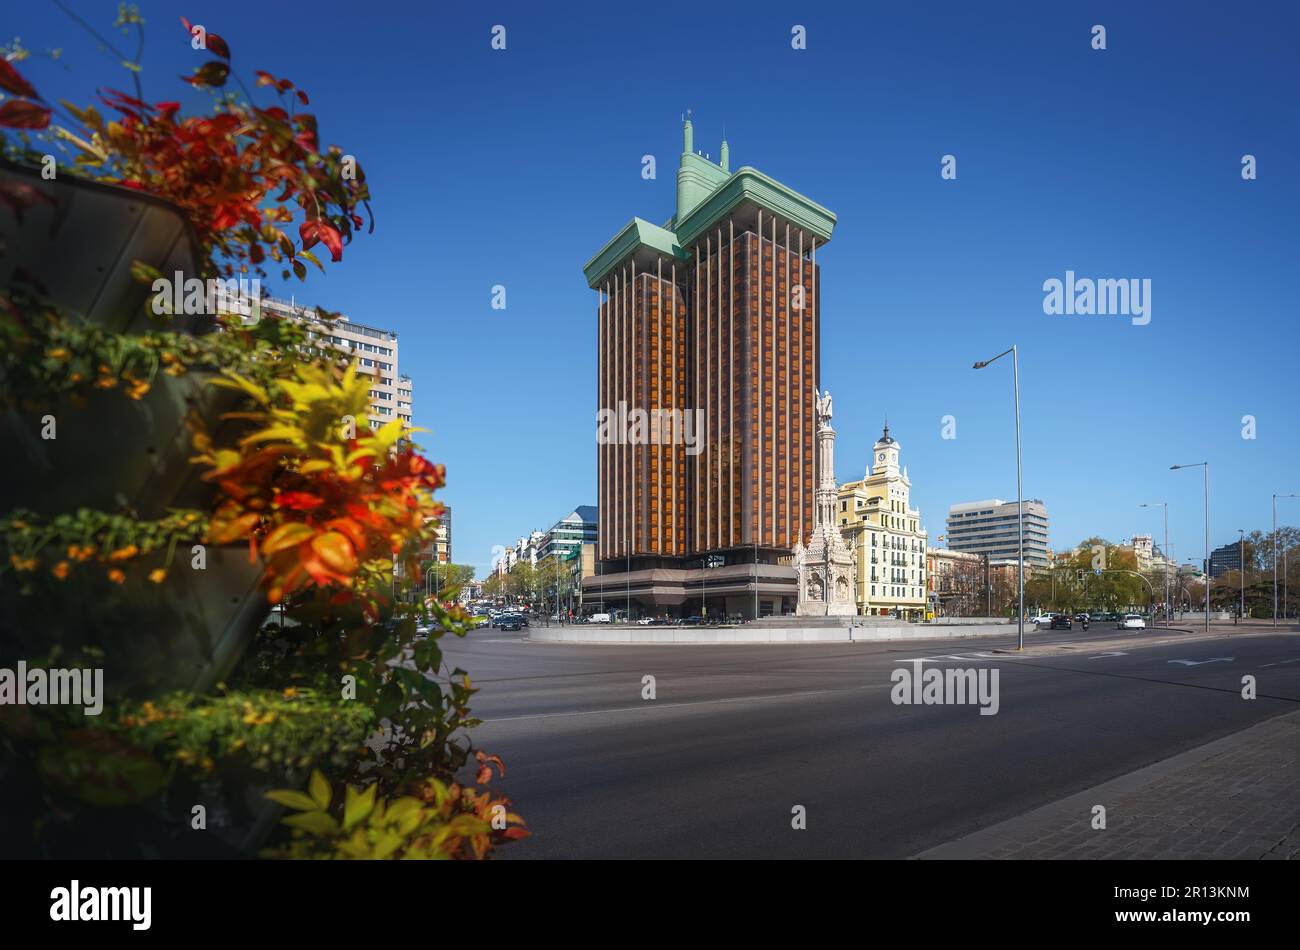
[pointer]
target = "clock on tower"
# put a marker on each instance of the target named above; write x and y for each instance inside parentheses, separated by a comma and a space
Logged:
(886, 454)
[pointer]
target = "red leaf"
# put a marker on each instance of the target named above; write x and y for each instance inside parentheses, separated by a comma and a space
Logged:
(217, 45)
(299, 500)
(302, 97)
(313, 231)
(20, 114)
(11, 81)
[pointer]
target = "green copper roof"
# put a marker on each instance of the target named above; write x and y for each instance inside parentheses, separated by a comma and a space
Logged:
(749, 184)
(707, 192)
(636, 234)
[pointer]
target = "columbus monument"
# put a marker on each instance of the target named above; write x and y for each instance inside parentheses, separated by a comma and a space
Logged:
(825, 564)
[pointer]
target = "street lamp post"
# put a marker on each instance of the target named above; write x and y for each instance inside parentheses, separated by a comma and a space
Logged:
(1275, 498)
(1164, 551)
(1020, 495)
(1241, 558)
(1205, 467)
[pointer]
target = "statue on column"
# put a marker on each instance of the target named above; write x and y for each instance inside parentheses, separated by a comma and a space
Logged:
(825, 567)
(824, 408)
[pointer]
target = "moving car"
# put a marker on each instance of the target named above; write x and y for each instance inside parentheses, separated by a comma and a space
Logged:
(1043, 617)
(510, 621)
(1131, 622)
(1061, 622)
(601, 618)
(645, 621)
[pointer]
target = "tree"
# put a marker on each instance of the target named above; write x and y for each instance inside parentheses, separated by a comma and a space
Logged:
(445, 579)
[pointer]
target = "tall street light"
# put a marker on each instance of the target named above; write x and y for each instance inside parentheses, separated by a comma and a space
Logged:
(1275, 498)
(1241, 558)
(1020, 495)
(1164, 551)
(1205, 466)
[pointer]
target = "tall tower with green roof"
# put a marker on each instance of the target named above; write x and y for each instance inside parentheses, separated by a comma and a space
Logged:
(712, 316)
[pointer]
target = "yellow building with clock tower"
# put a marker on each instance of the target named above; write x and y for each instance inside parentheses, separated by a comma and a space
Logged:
(877, 522)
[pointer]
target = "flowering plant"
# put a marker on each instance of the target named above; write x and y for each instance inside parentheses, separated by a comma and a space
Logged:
(243, 174)
(326, 500)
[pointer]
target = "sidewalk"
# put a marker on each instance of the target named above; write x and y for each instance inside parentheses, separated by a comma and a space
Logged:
(1235, 798)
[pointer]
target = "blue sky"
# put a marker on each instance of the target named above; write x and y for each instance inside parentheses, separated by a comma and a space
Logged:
(514, 167)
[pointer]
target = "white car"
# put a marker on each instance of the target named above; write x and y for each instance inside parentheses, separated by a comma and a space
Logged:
(1043, 618)
(645, 621)
(601, 618)
(1131, 622)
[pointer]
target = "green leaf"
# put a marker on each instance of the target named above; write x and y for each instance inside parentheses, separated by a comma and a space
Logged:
(316, 822)
(291, 799)
(143, 273)
(390, 701)
(313, 258)
(357, 805)
(320, 790)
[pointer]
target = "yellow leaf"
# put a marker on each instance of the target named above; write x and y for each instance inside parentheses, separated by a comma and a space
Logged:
(291, 799)
(317, 822)
(286, 536)
(336, 551)
(320, 789)
(357, 805)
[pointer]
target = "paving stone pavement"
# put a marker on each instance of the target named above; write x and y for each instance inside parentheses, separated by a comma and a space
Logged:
(1235, 798)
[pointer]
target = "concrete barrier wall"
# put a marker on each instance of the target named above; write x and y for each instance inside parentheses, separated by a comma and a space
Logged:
(591, 633)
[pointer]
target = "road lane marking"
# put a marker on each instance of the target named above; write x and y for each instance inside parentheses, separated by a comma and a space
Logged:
(1281, 663)
(701, 702)
(1217, 659)
(1101, 656)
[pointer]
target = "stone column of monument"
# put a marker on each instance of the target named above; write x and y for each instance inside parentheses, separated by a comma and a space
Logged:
(825, 565)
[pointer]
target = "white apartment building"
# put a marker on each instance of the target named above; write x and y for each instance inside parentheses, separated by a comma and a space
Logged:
(374, 350)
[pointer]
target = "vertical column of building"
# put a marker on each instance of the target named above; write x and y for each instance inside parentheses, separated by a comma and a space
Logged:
(662, 444)
(697, 401)
(620, 395)
(677, 387)
(814, 382)
(780, 394)
(710, 398)
(635, 474)
(789, 398)
(733, 451)
(801, 394)
(602, 404)
(757, 385)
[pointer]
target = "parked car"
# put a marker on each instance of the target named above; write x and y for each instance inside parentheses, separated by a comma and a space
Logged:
(1061, 622)
(1131, 622)
(600, 618)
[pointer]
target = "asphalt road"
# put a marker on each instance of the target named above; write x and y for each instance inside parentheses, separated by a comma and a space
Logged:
(736, 736)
